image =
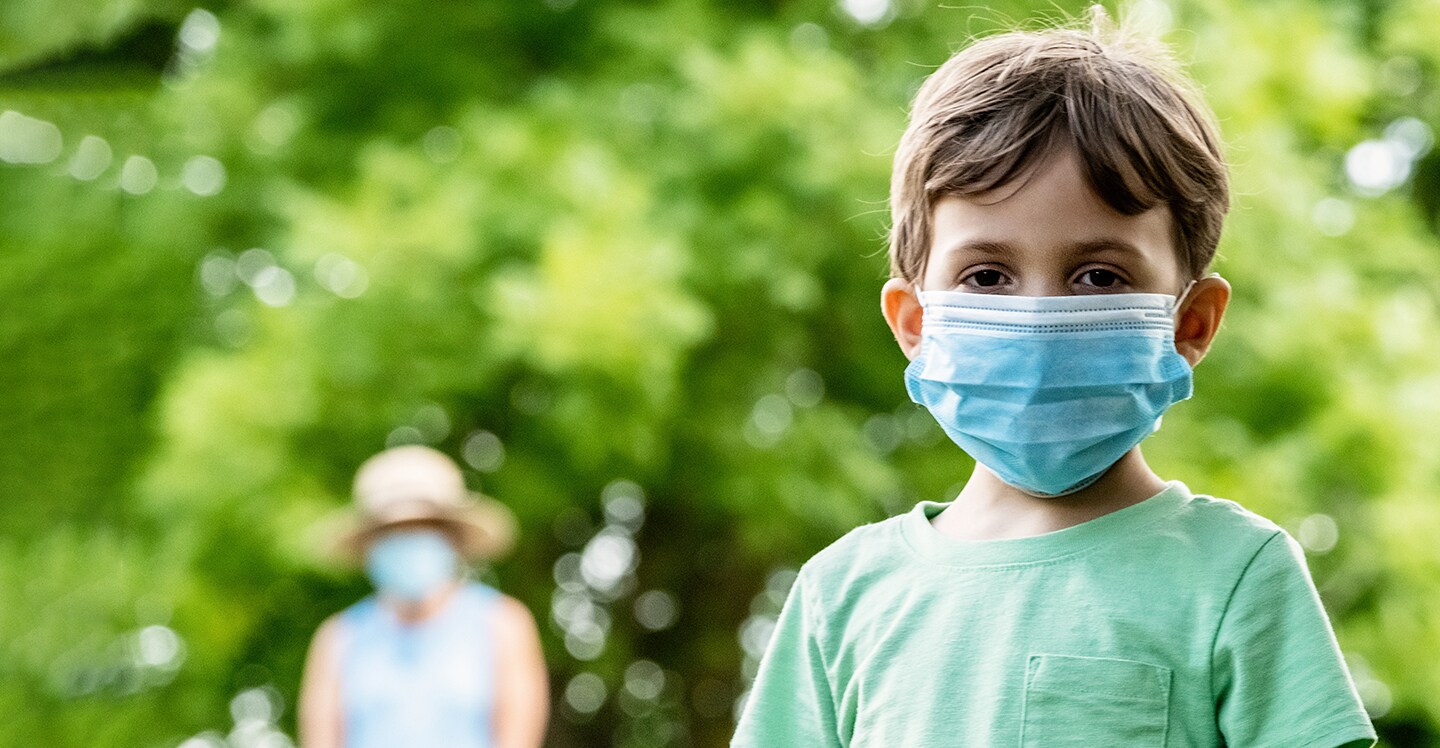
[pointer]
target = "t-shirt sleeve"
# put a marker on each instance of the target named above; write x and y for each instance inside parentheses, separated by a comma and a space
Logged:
(791, 702)
(1279, 677)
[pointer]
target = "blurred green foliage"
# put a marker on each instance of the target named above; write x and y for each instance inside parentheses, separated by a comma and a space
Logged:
(605, 250)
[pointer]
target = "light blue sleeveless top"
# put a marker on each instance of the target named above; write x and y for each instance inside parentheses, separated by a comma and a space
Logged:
(425, 685)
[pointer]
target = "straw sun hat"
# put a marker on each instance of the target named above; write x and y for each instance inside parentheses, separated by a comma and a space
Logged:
(420, 484)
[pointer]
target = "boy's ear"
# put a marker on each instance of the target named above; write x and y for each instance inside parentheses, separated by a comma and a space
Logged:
(903, 313)
(1200, 316)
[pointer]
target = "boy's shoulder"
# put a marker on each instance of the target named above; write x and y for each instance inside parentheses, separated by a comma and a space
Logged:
(862, 541)
(1235, 542)
(859, 557)
(1226, 525)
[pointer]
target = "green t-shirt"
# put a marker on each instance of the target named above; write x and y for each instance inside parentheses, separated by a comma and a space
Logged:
(1180, 621)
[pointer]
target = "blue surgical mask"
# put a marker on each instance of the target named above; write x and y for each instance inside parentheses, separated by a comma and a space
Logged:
(1048, 391)
(410, 565)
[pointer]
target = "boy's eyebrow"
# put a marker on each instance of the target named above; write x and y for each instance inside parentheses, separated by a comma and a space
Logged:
(1105, 245)
(983, 246)
(1089, 246)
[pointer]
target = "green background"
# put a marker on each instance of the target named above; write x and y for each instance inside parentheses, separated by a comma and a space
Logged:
(622, 259)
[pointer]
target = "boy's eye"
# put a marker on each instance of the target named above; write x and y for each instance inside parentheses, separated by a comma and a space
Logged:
(1100, 278)
(987, 278)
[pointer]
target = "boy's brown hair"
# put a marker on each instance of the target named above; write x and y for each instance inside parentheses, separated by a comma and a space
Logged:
(996, 108)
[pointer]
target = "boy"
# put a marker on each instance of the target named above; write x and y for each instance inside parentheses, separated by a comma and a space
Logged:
(1056, 201)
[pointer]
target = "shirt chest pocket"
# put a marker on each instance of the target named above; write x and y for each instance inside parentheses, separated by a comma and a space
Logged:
(1090, 701)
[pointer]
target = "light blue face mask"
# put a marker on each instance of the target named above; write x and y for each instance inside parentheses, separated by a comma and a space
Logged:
(410, 565)
(1048, 391)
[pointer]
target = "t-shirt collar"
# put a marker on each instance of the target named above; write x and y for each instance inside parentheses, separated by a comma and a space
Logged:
(1052, 546)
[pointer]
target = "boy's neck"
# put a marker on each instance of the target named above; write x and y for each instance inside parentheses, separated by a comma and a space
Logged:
(990, 509)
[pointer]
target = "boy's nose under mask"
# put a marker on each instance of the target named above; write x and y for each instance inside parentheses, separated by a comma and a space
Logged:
(1048, 391)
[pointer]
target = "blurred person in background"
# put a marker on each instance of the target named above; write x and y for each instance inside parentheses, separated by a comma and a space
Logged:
(432, 659)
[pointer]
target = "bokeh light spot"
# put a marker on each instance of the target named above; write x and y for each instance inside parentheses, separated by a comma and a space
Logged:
(586, 693)
(656, 610)
(644, 680)
(217, 273)
(159, 647)
(203, 175)
(805, 388)
(200, 31)
(867, 12)
(251, 263)
(91, 158)
(483, 451)
(341, 275)
(27, 140)
(403, 435)
(274, 286)
(607, 559)
(769, 419)
(138, 175)
(1377, 166)
(432, 421)
(1319, 533)
(273, 127)
(1413, 136)
(624, 502)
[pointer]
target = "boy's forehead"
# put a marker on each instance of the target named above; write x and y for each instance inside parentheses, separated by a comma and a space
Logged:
(1050, 208)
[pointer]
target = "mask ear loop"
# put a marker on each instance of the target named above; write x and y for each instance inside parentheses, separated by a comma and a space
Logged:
(1185, 294)
(1180, 302)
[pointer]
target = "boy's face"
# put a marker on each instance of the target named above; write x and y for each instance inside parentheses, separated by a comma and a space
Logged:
(1048, 234)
